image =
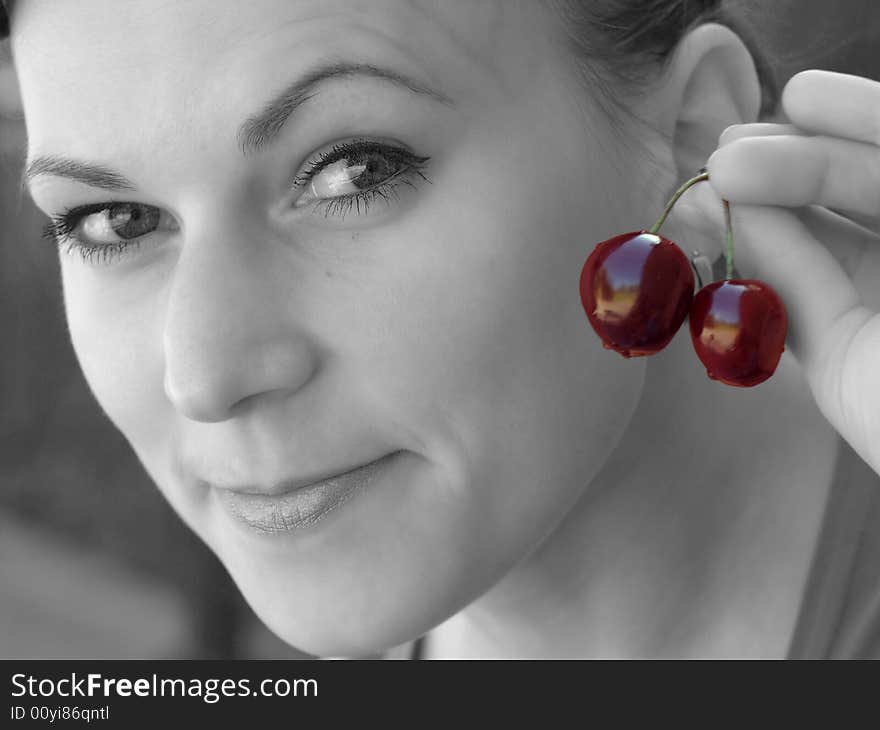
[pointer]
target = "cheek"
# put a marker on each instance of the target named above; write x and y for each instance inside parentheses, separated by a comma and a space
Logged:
(114, 334)
(491, 353)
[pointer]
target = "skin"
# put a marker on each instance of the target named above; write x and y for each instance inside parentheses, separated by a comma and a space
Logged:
(249, 340)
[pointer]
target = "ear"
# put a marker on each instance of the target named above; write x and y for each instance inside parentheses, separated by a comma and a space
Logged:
(710, 83)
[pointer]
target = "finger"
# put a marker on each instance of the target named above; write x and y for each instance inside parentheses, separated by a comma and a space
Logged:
(797, 170)
(856, 249)
(834, 104)
(832, 333)
(852, 245)
(757, 129)
(847, 241)
(766, 129)
(867, 223)
(773, 245)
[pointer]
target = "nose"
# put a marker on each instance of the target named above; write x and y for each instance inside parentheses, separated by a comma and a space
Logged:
(230, 331)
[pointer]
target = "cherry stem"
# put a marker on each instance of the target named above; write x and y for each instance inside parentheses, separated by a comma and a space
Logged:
(694, 257)
(728, 234)
(674, 199)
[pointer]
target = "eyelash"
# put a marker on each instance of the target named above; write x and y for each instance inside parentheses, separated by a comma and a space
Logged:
(61, 227)
(411, 166)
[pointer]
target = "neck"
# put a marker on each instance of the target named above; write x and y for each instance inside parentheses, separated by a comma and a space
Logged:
(695, 539)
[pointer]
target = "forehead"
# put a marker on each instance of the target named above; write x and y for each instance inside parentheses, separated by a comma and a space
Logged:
(162, 64)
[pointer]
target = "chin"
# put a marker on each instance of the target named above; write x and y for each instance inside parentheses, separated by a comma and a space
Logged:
(324, 628)
(328, 639)
(371, 575)
(357, 608)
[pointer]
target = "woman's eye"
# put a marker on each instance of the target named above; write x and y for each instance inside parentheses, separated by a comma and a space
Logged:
(105, 230)
(352, 175)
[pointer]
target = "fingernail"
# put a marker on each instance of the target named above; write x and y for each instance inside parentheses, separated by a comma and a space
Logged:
(719, 156)
(726, 134)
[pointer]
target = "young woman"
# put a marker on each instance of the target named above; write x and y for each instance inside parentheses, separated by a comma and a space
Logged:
(320, 264)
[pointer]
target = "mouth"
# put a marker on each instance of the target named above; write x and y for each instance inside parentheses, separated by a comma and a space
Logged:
(294, 505)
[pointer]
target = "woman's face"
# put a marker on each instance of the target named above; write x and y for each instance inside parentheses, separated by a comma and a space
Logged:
(383, 261)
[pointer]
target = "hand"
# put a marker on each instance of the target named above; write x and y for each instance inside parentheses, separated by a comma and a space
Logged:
(805, 209)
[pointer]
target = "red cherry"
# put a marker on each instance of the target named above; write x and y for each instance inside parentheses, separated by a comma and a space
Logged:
(738, 328)
(636, 289)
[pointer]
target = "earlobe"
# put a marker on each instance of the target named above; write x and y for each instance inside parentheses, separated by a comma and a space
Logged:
(711, 83)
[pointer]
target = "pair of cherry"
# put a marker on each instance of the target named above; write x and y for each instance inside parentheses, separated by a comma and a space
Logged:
(637, 289)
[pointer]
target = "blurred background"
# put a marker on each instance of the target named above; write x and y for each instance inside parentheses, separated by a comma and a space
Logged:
(93, 562)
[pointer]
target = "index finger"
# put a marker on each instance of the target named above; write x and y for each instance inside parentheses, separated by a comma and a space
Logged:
(834, 104)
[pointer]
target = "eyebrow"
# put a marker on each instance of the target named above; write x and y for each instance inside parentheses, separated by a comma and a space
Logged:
(259, 131)
(256, 132)
(96, 176)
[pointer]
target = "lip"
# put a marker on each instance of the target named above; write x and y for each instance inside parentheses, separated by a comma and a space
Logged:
(296, 504)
